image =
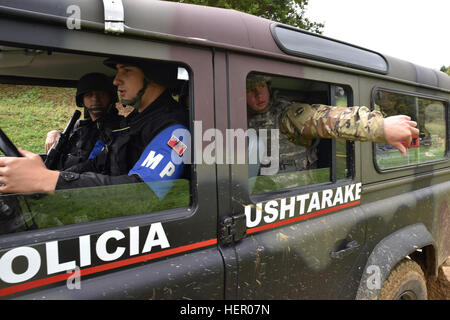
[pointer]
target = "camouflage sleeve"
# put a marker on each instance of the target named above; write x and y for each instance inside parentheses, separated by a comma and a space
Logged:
(303, 122)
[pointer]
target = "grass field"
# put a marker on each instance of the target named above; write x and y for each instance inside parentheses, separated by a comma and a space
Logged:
(27, 113)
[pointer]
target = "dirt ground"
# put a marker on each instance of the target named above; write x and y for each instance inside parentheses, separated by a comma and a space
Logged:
(439, 289)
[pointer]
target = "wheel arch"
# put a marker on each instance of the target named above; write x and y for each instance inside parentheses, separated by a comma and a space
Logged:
(391, 250)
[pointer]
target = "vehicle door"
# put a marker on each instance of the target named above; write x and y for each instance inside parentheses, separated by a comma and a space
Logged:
(113, 242)
(304, 228)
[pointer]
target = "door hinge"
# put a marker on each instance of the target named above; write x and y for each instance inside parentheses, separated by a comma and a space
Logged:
(114, 16)
(232, 229)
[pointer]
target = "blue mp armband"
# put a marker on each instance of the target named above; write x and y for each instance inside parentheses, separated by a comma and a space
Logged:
(162, 161)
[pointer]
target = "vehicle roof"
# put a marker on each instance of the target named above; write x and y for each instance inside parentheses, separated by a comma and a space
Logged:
(209, 26)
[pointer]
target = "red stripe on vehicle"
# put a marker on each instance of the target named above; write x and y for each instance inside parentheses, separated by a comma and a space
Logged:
(300, 218)
(105, 267)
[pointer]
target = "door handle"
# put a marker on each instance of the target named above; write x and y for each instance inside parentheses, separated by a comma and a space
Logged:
(349, 248)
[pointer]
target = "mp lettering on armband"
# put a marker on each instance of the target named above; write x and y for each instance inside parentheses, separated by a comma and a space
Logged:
(153, 160)
(156, 162)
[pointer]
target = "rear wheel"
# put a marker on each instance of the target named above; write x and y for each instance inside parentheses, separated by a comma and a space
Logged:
(406, 282)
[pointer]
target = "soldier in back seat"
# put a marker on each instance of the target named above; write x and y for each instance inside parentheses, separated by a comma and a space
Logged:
(264, 112)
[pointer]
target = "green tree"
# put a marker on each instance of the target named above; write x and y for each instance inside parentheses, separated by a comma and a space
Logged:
(446, 69)
(291, 12)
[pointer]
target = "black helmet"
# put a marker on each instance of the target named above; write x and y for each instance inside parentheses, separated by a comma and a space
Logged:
(95, 81)
(161, 72)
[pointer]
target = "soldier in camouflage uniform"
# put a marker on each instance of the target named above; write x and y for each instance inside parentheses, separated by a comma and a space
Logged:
(303, 122)
(300, 124)
(264, 112)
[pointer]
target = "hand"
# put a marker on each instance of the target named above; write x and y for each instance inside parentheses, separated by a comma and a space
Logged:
(26, 174)
(399, 128)
(50, 141)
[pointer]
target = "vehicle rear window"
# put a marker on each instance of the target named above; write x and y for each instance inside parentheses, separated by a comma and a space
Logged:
(429, 145)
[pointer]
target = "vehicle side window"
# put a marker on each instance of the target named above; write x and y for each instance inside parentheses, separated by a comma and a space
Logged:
(28, 113)
(276, 163)
(429, 114)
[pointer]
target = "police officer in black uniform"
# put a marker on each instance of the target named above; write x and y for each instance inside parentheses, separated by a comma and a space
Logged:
(97, 95)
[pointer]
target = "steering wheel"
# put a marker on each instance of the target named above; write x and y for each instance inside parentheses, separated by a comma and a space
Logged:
(11, 215)
(8, 148)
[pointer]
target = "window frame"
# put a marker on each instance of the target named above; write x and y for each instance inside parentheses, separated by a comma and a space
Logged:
(8, 240)
(446, 104)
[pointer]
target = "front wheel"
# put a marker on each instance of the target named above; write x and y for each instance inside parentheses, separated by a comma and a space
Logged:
(405, 282)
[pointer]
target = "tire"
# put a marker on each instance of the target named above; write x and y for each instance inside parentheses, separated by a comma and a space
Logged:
(405, 282)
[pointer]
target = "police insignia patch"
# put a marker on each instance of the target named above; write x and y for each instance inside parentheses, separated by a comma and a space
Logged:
(178, 146)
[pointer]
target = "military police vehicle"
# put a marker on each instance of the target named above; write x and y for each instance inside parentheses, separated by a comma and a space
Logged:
(366, 223)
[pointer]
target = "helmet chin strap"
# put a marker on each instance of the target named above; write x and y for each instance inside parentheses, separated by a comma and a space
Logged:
(136, 101)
